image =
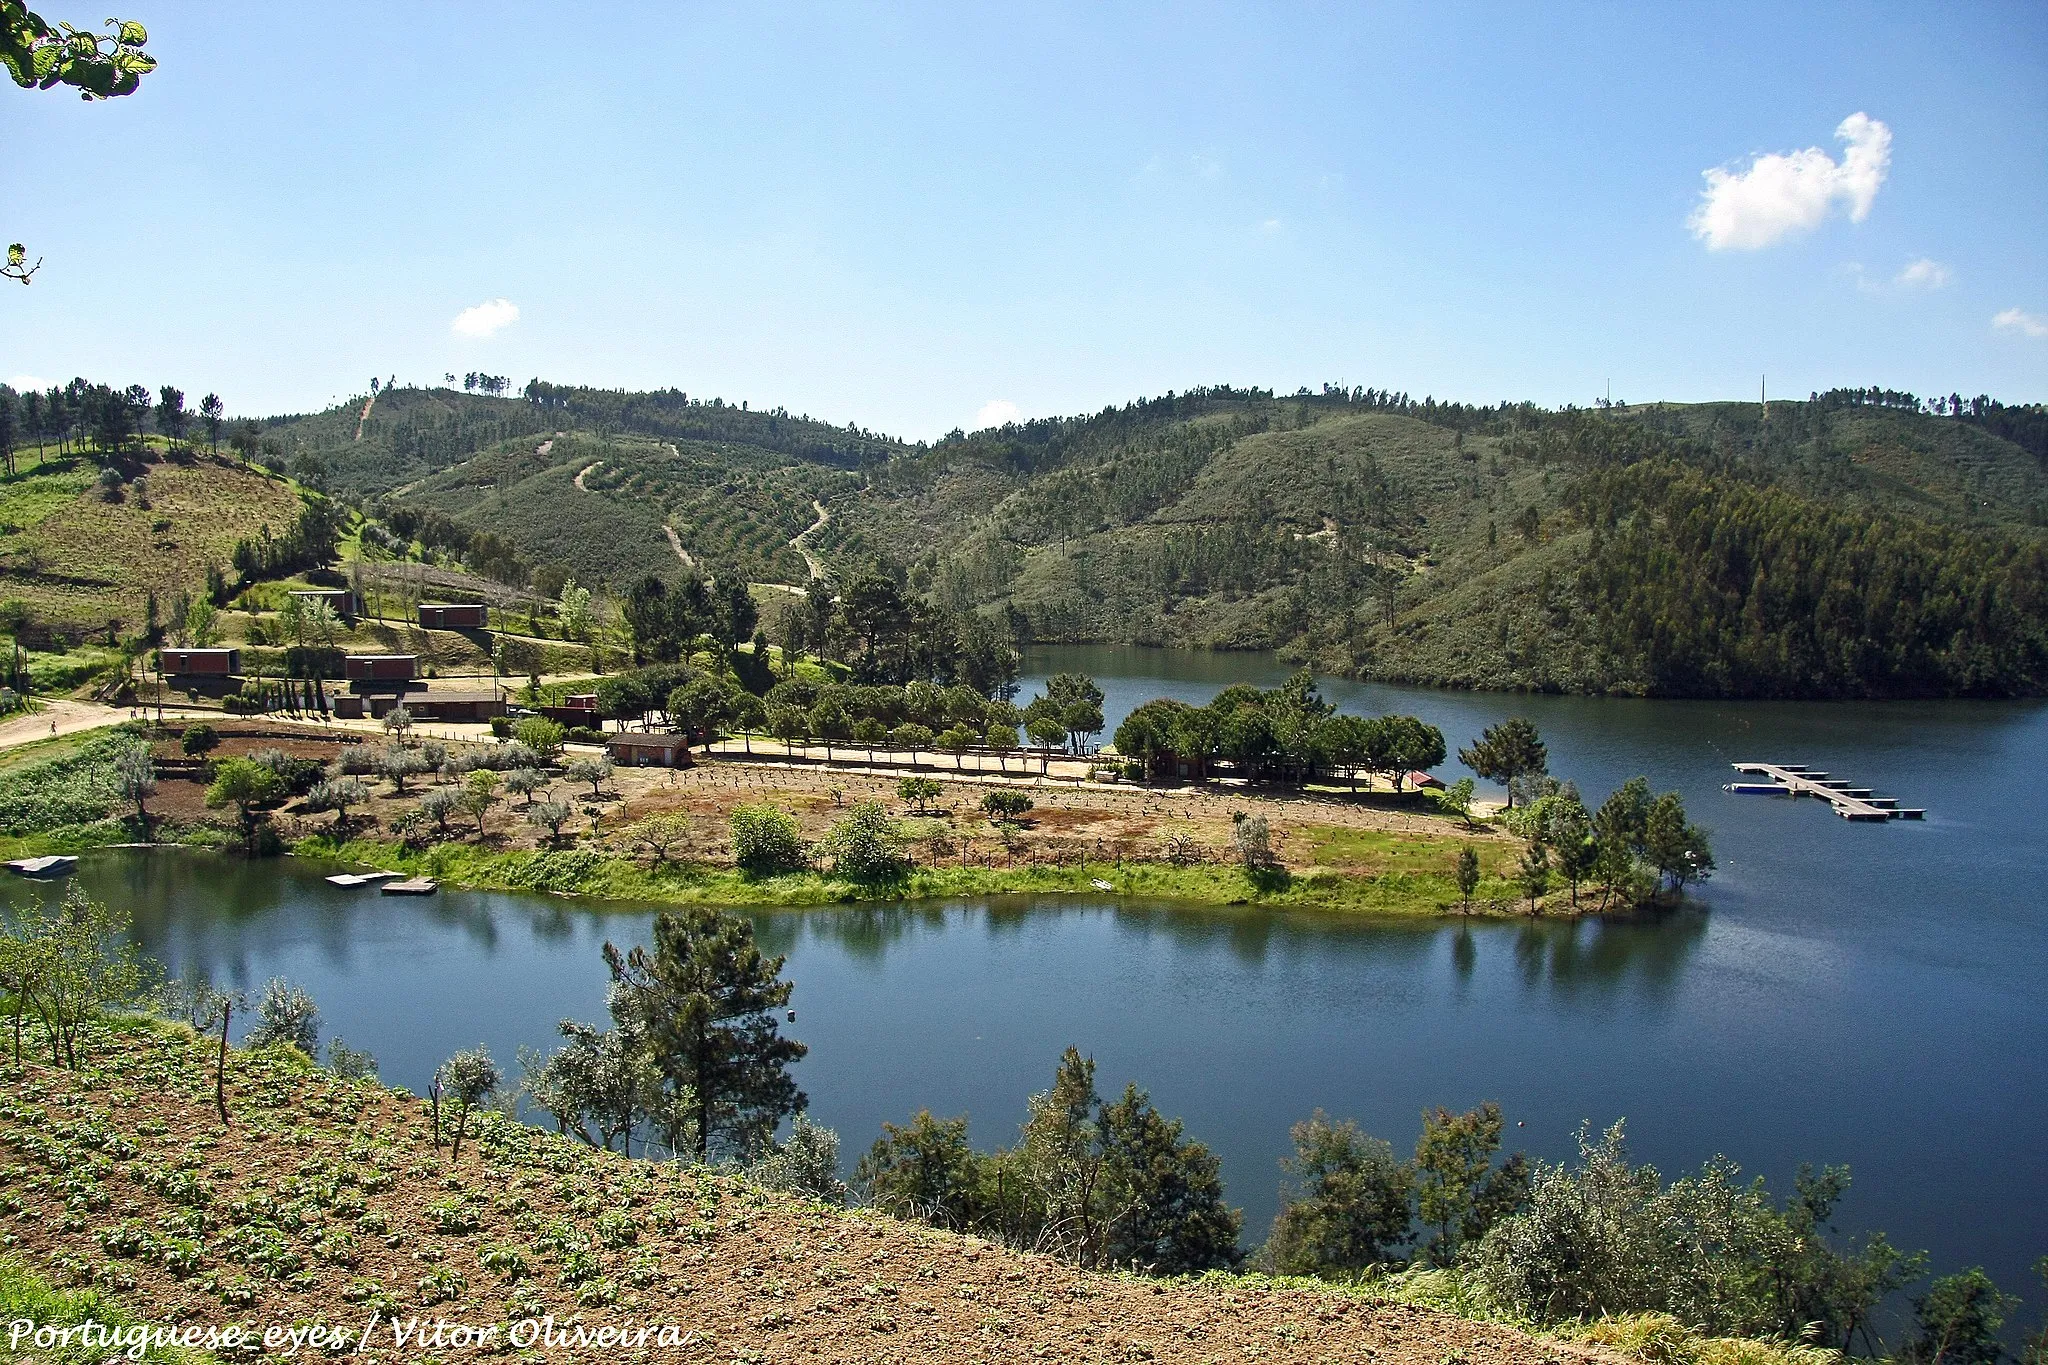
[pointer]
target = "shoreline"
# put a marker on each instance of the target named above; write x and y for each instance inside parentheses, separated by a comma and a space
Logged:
(601, 876)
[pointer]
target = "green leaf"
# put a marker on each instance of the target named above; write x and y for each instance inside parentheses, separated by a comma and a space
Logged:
(17, 254)
(132, 34)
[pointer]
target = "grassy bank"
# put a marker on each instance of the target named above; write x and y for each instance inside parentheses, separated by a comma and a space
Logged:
(585, 872)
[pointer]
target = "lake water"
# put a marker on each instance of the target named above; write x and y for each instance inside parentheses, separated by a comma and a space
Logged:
(1870, 995)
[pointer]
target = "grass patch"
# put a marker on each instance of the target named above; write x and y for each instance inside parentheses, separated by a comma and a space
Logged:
(70, 788)
(80, 560)
(71, 669)
(25, 1295)
(587, 872)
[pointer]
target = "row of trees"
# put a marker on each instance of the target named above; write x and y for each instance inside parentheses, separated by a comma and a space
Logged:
(1288, 734)
(111, 420)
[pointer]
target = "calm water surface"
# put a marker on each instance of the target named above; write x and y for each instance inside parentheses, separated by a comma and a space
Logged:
(1842, 993)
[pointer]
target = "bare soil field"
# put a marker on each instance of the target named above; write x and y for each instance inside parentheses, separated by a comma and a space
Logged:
(328, 1201)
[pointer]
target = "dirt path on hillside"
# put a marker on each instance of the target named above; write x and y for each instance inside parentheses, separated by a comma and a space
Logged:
(581, 473)
(56, 718)
(676, 543)
(368, 403)
(796, 543)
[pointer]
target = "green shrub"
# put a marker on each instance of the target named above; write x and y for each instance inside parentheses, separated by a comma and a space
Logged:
(766, 841)
(74, 790)
(864, 843)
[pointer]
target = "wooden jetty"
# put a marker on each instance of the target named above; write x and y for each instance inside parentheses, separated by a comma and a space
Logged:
(1796, 779)
(361, 878)
(416, 886)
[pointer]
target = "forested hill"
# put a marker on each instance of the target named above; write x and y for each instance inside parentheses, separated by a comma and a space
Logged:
(1851, 545)
(1858, 543)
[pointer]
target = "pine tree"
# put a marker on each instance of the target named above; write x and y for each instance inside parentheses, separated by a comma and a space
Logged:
(1507, 752)
(706, 997)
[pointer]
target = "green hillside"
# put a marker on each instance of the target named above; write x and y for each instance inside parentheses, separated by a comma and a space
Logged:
(78, 553)
(1859, 543)
(1834, 547)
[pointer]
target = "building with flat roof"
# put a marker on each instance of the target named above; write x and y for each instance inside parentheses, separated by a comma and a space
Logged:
(376, 668)
(649, 750)
(212, 663)
(340, 599)
(454, 615)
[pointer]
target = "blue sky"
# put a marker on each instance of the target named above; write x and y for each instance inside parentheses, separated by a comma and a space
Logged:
(921, 217)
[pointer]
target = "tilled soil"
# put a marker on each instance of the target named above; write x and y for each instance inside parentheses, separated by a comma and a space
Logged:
(327, 1202)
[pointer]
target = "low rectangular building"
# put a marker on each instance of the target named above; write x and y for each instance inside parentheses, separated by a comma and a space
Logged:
(455, 706)
(579, 709)
(380, 667)
(340, 599)
(454, 615)
(213, 663)
(649, 750)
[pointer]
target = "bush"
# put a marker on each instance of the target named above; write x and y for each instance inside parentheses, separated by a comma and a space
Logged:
(541, 735)
(864, 843)
(1005, 805)
(199, 739)
(1253, 841)
(1607, 1237)
(807, 1164)
(1346, 1206)
(766, 841)
(286, 1014)
(74, 790)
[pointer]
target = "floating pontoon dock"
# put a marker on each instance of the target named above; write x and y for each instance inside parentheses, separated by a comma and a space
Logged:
(1796, 779)
(417, 886)
(361, 878)
(54, 865)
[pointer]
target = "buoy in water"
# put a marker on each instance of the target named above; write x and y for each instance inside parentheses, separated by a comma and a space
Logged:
(792, 1016)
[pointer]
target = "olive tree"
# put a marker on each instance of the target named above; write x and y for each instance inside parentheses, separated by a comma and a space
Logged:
(591, 770)
(285, 1014)
(135, 774)
(550, 815)
(467, 1079)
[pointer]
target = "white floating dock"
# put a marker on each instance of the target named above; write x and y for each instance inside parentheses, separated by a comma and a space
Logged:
(361, 878)
(1796, 779)
(50, 865)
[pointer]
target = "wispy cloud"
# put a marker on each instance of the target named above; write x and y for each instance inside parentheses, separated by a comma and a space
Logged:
(1781, 193)
(23, 383)
(486, 319)
(997, 412)
(1924, 274)
(2026, 324)
(1270, 225)
(1206, 166)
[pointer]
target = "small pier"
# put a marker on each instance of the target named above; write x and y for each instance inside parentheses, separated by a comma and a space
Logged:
(1796, 779)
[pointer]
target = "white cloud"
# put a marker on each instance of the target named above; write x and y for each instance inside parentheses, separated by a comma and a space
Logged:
(23, 383)
(486, 319)
(1924, 274)
(995, 413)
(2026, 324)
(1786, 192)
(1270, 225)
